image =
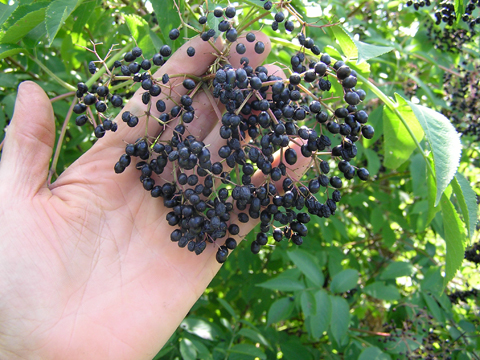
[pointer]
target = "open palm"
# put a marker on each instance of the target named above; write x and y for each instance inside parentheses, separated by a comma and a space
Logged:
(86, 266)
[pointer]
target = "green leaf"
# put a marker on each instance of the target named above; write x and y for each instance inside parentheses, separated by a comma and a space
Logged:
(345, 41)
(467, 200)
(373, 353)
(444, 142)
(454, 237)
(82, 13)
(187, 350)
(373, 161)
(354, 49)
(21, 21)
(381, 291)
(9, 50)
(5, 11)
(227, 306)
(432, 191)
(321, 320)
(459, 9)
(307, 301)
(282, 284)
(140, 32)
(398, 143)
(433, 307)
(306, 263)
(397, 269)
(367, 51)
(202, 351)
(57, 12)
(293, 349)
(432, 280)
(341, 313)
(254, 336)
(247, 351)
(212, 20)
(280, 310)
(343, 281)
(168, 18)
(199, 327)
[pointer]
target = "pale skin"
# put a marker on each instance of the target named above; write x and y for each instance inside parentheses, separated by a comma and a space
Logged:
(87, 270)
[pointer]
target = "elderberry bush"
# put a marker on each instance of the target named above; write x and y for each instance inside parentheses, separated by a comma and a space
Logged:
(269, 124)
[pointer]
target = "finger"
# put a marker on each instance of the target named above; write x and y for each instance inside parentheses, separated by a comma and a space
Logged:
(29, 141)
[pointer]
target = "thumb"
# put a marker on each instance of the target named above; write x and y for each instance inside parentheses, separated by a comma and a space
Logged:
(29, 140)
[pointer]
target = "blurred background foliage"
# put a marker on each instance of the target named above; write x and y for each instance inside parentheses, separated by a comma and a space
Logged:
(368, 283)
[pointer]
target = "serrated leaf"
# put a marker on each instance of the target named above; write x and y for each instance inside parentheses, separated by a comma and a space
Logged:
(187, 350)
(339, 327)
(306, 263)
(444, 142)
(247, 351)
(397, 269)
(57, 12)
(368, 51)
(467, 199)
(282, 284)
(254, 336)
(280, 310)
(343, 281)
(345, 41)
(381, 291)
(359, 50)
(454, 237)
(398, 144)
(373, 353)
(5, 11)
(140, 32)
(21, 21)
(321, 320)
(9, 50)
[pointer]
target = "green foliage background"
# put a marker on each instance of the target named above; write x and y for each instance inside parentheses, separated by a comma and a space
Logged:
(387, 257)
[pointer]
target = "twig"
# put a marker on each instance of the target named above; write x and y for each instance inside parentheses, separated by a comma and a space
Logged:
(63, 96)
(53, 167)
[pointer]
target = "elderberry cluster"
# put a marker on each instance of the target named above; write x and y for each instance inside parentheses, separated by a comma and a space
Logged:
(430, 342)
(473, 253)
(462, 96)
(451, 36)
(457, 296)
(269, 123)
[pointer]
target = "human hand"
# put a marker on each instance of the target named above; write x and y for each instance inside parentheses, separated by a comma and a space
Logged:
(87, 269)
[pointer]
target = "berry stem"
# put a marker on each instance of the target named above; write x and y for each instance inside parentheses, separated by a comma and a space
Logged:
(109, 63)
(53, 167)
(253, 21)
(61, 97)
